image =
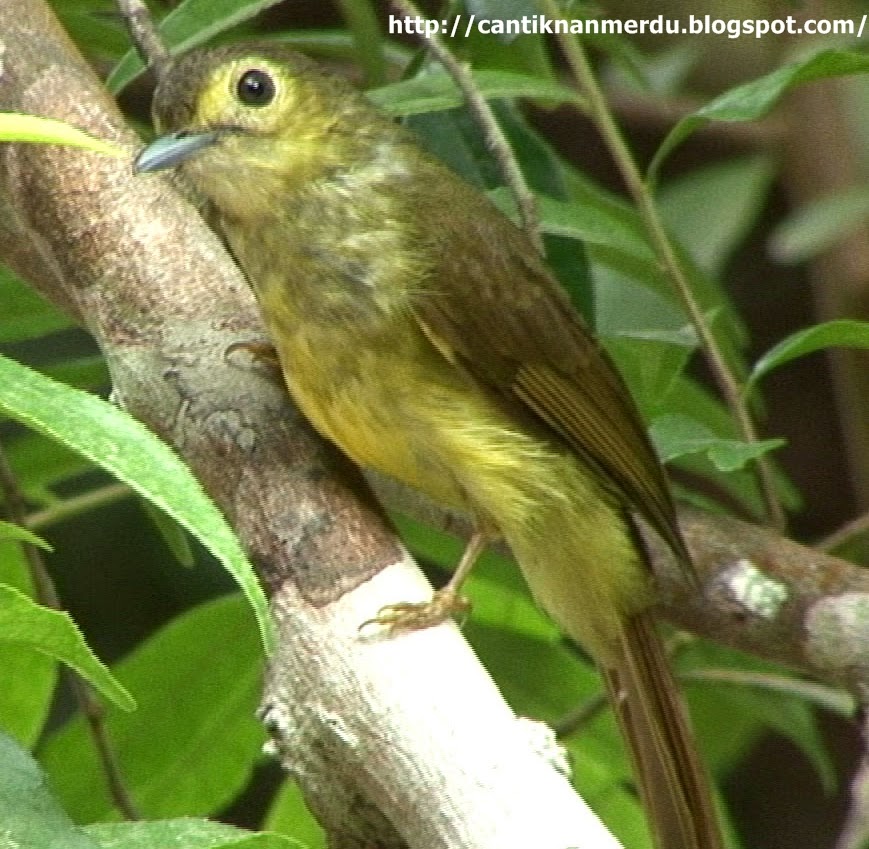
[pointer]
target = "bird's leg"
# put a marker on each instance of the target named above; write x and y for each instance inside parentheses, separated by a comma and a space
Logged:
(446, 602)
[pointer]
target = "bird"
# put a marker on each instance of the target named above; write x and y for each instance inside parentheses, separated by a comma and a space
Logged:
(420, 331)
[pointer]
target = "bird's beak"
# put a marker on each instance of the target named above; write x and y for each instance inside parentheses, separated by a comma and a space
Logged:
(169, 150)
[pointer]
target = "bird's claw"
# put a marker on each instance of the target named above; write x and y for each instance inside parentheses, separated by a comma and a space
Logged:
(415, 616)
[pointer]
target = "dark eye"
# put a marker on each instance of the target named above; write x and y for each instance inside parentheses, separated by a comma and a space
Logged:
(255, 88)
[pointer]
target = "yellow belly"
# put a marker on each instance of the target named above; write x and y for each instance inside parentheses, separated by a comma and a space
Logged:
(406, 411)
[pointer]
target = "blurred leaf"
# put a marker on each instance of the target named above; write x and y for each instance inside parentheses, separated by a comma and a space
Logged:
(197, 682)
(53, 633)
(755, 99)
(505, 10)
(820, 695)
(749, 701)
(41, 463)
(86, 372)
(651, 364)
(363, 24)
(842, 333)
(96, 27)
(15, 127)
(663, 73)
(814, 228)
(25, 315)
(187, 833)
(289, 815)
(436, 91)
(31, 817)
(675, 436)
(189, 24)
(710, 210)
(553, 681)
(126, 449)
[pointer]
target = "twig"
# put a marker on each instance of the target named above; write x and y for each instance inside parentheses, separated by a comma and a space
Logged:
(82, 692)
(854, 528)
(75, 506)
(665, 252)
(496, 141)
(144, 34)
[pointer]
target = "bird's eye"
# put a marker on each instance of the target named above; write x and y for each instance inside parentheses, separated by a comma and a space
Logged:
(256, 88)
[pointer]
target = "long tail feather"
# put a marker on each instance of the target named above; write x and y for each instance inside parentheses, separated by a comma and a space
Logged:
(673, 783)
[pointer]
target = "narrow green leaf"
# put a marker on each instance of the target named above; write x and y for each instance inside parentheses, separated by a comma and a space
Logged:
(53, 633)
(10, 531)
(29, 677)
(15, 127)
(197, 682)
(841, 333)
(437, 91)
(190, 23)
(30, 817)
(186, 833)
(126, 449)
(754, 99)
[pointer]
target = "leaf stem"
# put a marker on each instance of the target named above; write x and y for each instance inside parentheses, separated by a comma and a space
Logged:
(496, 141)
(75, 506)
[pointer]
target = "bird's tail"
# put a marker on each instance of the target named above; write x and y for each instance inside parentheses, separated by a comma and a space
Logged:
(673, 783)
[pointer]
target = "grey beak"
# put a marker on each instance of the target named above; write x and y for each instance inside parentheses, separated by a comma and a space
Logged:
(169, 150)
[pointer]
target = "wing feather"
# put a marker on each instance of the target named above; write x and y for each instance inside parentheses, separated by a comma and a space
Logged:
(496, 311)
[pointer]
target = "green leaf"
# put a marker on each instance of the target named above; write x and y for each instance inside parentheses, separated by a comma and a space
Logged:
(595, 224)
(676, 436)
(186, 833)
(841, 333)
(29, 677)
(53, 633)
(41, 463)
(362, 22)
(15, 127)
(819, 225)
(31, 817)
(755, 99)
(126, 449)
(197, 682)
(10, 531)
(188, 25)
(436, 91)
(289, 814)
(739, 186)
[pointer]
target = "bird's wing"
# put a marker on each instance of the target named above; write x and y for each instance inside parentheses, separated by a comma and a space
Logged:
(494, 310)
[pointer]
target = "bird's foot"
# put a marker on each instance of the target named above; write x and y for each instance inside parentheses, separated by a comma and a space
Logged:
(410, 616)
